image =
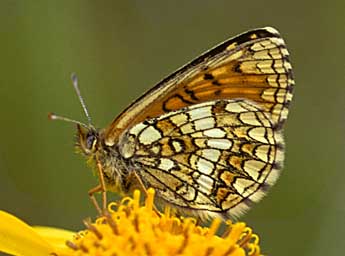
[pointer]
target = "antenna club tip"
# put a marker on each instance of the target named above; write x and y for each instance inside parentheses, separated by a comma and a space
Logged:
(51, 116)
(74, 77)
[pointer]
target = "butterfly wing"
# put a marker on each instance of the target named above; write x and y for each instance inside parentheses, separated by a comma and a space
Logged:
(254, 65)
(211, 158)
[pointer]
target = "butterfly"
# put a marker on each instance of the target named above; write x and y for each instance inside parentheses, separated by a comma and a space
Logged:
(209, 137)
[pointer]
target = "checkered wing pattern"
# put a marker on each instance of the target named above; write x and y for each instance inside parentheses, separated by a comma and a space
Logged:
(208, 137)
(212, 158)
(254, 66)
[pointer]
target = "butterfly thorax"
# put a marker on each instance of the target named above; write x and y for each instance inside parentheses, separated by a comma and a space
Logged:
(90, 143)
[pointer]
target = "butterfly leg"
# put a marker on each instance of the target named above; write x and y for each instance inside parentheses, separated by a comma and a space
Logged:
(144, 189)
(99, 188)
(102, 184)
(93, 199)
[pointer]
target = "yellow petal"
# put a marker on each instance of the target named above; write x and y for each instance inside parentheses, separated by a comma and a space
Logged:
(55, 236)
(18, 238)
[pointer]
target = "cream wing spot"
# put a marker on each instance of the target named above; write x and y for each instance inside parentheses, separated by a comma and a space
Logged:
(253, 168)
(187, 128)
(219, 143)
(258, 134)
(281, 96)
(277, 41)
(234, 107)
(264, 66)
(263, 153)
(288, 97)
(258, 47)
(179, 119)
(166, 164)
(193, 161)
(198, 135)
(201, 143)
(215, 133)
(135, 130)
(249, 118)
(205, 123)
(284, 52)
(156, 149)
(205, 166)
(211, 154)
(269, 94)
(205, 184)
(272, 30)
(232, 46)
(149, 135)
(234, 56)
(177, 146)
(241, 185)
(199, 113)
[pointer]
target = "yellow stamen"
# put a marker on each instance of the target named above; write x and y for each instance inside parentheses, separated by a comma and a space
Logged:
(131, 229)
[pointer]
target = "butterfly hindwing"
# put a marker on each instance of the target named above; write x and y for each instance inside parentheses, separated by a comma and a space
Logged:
(214, 157)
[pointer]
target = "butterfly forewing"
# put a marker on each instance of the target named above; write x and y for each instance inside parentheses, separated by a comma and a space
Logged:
(213, 158)
(208, 138)
(254, 66)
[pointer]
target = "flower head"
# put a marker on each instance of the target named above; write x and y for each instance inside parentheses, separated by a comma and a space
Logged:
(129, 228)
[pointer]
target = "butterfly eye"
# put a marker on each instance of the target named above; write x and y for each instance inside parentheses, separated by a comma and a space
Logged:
(91, 140)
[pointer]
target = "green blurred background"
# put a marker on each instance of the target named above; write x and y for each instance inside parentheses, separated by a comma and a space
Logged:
(119, 49)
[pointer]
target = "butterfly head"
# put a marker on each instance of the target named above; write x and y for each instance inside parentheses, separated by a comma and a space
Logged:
(87, 139)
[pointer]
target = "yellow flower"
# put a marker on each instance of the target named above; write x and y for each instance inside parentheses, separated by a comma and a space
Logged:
(129, 229)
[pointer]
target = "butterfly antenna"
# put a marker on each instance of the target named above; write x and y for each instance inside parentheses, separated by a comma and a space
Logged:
(81, 100)
(52, 116)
